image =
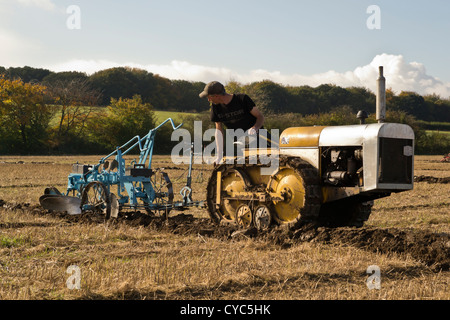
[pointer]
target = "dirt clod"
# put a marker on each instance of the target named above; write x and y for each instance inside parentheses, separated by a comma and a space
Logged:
(430, 179)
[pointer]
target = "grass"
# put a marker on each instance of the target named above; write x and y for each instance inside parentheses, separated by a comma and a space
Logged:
(8, 242)
(431, 132)
(176, 116)
(121, 261)
(159, 114)
(434, 125)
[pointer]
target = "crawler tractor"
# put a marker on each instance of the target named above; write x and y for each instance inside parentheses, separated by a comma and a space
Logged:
(326, 175)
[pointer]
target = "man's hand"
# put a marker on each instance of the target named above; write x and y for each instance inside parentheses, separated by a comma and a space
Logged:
(252, 131)
(217, 161)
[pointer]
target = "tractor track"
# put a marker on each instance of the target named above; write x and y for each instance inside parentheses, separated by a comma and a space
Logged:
(431, 249)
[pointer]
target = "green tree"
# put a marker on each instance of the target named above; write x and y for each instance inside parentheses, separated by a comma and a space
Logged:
(114, 83)
(361, 98)
(125, 119)
(302, 100)
(27, 74)
(65, 76)
(185, 96)
(438, 109)
(270, 97)
(125, 82)
(412, 103)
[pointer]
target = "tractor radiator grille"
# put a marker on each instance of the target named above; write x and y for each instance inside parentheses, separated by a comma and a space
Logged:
(396, 161)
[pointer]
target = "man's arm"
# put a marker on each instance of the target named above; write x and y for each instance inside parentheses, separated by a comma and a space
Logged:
(219, 142)
(259, 120)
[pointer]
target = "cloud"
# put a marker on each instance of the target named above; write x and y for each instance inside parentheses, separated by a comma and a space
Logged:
(400, 74)
(43, 4)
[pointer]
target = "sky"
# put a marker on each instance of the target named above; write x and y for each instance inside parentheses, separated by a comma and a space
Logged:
(291, 42)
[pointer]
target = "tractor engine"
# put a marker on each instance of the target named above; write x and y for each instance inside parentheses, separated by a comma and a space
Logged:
(342, 166)
(369, 160)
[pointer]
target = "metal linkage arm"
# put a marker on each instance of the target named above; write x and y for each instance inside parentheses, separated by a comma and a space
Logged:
(147, 148)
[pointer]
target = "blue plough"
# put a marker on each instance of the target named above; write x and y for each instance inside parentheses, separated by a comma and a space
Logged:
(137, 186)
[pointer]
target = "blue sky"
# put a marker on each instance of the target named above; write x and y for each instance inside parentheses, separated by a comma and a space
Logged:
(287, 41)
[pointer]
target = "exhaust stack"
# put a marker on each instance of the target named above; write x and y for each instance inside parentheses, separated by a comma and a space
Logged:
(381, 97)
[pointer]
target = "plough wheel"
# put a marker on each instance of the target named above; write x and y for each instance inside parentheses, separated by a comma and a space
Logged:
(163, 192)
(96, 199)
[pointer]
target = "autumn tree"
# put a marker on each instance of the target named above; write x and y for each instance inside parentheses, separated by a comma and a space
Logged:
(24, 117)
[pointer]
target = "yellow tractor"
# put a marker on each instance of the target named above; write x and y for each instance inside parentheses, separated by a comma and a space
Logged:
(325, 175)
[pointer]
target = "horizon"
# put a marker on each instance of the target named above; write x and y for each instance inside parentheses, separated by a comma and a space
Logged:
(371, 90)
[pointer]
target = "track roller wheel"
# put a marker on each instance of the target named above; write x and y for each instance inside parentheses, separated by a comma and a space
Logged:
(244, 216)
(262, 217)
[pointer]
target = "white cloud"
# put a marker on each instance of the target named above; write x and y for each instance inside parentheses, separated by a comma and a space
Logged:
(400, 75)
(43, 4)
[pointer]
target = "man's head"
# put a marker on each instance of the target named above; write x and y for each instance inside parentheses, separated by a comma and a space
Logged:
(213, 88)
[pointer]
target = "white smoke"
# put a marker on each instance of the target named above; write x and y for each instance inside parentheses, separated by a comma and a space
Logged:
(400, 74)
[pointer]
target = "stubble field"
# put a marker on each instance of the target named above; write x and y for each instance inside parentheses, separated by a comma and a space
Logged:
(185, 257)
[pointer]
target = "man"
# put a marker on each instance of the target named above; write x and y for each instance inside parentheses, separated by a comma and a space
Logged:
(235, 111)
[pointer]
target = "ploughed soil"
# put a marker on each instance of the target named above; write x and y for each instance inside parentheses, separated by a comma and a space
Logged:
(431, 179)
(431, 249)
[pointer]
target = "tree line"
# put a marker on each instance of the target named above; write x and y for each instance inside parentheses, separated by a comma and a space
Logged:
(122, 82)
(274, 98)
(45, 112)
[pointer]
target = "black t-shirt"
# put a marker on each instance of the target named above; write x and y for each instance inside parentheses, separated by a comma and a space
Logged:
(236, 114)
